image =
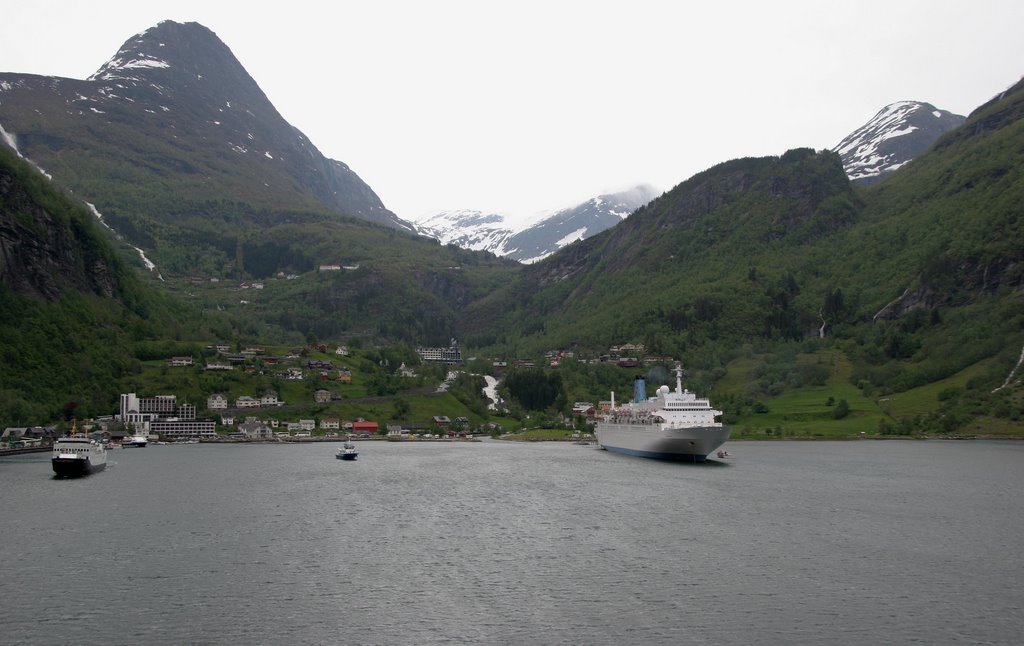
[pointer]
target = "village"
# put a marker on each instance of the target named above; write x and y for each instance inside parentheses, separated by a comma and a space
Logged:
(265, 417)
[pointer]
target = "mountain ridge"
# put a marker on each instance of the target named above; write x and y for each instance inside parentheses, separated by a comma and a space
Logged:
(533, 241)
(158, 109)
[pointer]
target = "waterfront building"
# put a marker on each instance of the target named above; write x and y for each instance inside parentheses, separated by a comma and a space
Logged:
(179, 428)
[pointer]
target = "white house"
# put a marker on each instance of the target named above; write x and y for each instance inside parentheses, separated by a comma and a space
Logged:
(269, 398)
(217, 402)
(255, 429)
(246, 401)
(396, 430)
(307, 424)
(330, 423)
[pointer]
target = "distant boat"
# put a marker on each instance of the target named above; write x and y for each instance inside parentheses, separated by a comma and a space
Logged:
(137, 439)
(78, 455)
(347, 452)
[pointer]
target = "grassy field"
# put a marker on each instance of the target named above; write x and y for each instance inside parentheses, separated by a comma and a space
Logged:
(923, 400)
(807, 411)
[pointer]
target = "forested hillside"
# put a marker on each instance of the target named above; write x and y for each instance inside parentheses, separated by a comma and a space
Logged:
(915, 280)
(70, 307)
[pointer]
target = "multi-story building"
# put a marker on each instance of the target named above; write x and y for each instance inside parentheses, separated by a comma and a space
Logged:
(161, 405)
(269, 398)
(142, 413)
(186, 411)
(450, 355)
(138, 412)
(176, 428)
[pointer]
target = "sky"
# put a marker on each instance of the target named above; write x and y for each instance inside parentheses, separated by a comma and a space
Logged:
(525, 107)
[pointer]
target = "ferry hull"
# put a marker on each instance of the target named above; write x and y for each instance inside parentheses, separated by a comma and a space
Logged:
(75, 467)
(692, 444)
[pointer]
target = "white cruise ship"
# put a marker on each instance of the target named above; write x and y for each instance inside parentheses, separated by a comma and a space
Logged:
(672, 425)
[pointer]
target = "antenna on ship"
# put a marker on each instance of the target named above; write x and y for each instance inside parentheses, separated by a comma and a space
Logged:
(679, 377)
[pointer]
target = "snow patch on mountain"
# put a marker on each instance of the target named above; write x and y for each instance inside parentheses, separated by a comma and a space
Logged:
(892, 138)
(578, 234)
(467, 228)
(541, 236)
(149, 264)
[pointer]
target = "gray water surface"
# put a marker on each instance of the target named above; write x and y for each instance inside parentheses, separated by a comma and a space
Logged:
(501, 543)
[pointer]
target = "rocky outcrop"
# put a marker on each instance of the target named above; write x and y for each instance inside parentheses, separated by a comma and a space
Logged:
(43, 254)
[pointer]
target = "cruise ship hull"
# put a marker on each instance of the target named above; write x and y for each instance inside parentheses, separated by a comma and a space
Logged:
(691, 444)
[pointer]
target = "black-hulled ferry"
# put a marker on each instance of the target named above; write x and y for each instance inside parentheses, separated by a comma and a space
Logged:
(78, 455)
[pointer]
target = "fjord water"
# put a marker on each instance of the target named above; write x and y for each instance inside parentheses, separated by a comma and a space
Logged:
(503, 543)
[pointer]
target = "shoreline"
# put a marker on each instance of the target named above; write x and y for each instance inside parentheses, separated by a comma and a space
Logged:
(26, 449)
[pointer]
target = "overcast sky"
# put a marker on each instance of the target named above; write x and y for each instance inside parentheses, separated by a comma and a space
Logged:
(524, 107)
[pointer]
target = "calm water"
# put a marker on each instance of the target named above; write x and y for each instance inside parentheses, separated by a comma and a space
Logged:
(497, 543)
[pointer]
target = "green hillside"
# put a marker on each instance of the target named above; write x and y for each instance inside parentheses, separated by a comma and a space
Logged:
(808, 307)
(70, 307)
(912, 281)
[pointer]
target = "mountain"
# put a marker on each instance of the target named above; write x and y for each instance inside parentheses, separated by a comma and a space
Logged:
(46, 249)
(538, 240)
(173, 125)
(898, 133)
(680, 264)
(917, 281)
(582, 221)
(70, 309)
(183, 156)
(467, 229)
(762, 274)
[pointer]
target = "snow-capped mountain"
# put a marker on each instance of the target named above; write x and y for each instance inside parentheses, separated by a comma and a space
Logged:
(535, 241)
(898, 133)
(467, 229)
(174, 109)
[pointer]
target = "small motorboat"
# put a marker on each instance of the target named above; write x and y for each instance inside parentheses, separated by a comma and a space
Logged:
(347, 452)
(724, 454)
